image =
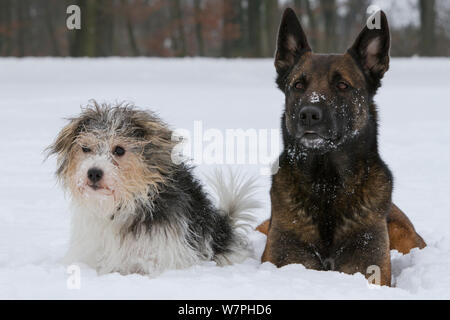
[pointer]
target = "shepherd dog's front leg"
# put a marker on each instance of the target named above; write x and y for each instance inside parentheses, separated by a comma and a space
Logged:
(283, 248)
(367, 252)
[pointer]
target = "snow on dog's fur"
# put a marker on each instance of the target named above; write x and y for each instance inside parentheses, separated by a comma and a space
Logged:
(134, 209)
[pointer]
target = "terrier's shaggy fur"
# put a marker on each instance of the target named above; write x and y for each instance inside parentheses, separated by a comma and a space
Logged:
(136, 210)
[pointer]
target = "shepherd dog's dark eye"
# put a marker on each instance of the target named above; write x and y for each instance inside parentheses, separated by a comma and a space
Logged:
(299, 85)
(86, 149)
(119, 151)
(342, 85)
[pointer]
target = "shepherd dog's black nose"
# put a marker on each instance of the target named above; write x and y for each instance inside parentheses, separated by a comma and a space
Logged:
(310, 115)
(95, 175)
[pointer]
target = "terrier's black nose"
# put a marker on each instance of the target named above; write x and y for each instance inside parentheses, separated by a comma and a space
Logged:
(310, 115)
(95, 174)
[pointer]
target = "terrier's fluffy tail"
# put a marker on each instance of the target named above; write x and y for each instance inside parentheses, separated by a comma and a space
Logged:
(236, 198)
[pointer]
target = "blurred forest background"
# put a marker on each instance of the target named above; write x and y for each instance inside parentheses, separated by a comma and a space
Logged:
(213, 28)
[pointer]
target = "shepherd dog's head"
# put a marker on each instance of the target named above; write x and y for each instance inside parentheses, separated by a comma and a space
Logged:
(329, 97)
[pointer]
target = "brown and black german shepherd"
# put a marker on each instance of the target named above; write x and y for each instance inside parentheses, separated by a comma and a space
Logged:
(331, 197)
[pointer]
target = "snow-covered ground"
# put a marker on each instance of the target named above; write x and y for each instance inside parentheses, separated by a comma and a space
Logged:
(36, 94)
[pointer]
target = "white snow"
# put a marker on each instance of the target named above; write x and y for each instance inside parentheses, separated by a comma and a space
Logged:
(36, 94)
(316, 97)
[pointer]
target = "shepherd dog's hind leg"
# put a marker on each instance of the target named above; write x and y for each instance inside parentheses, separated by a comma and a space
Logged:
(402, 235)
(264, 227)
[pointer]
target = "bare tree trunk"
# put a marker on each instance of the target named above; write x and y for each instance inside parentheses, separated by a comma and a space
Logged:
(82, 42)
(104, 24)
(22, 7)
(178, 38)
(356, 13)
(130, 31)
(2, 25)
(199, 27)
(74, 37)
(312, 24)
(239, 40)
(271, 23)
(89, 36)
(51, 29)
(241, 18)
(254, 27)
(231, 37)
(5, 24)
(427, 28)
(329, 16)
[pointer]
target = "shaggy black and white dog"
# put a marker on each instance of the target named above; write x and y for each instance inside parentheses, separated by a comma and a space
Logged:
(134, 209)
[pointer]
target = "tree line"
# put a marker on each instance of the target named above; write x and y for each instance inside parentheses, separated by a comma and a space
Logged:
(213, 28)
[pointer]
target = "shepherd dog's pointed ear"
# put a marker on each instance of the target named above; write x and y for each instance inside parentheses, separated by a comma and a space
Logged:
(371, 49)
(291, 43)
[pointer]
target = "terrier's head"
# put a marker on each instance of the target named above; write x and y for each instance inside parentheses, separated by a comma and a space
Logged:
(112, 156)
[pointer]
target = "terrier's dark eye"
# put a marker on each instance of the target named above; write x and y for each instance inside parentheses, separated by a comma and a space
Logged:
(119, 151)
(86, 149)
(342, 85)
